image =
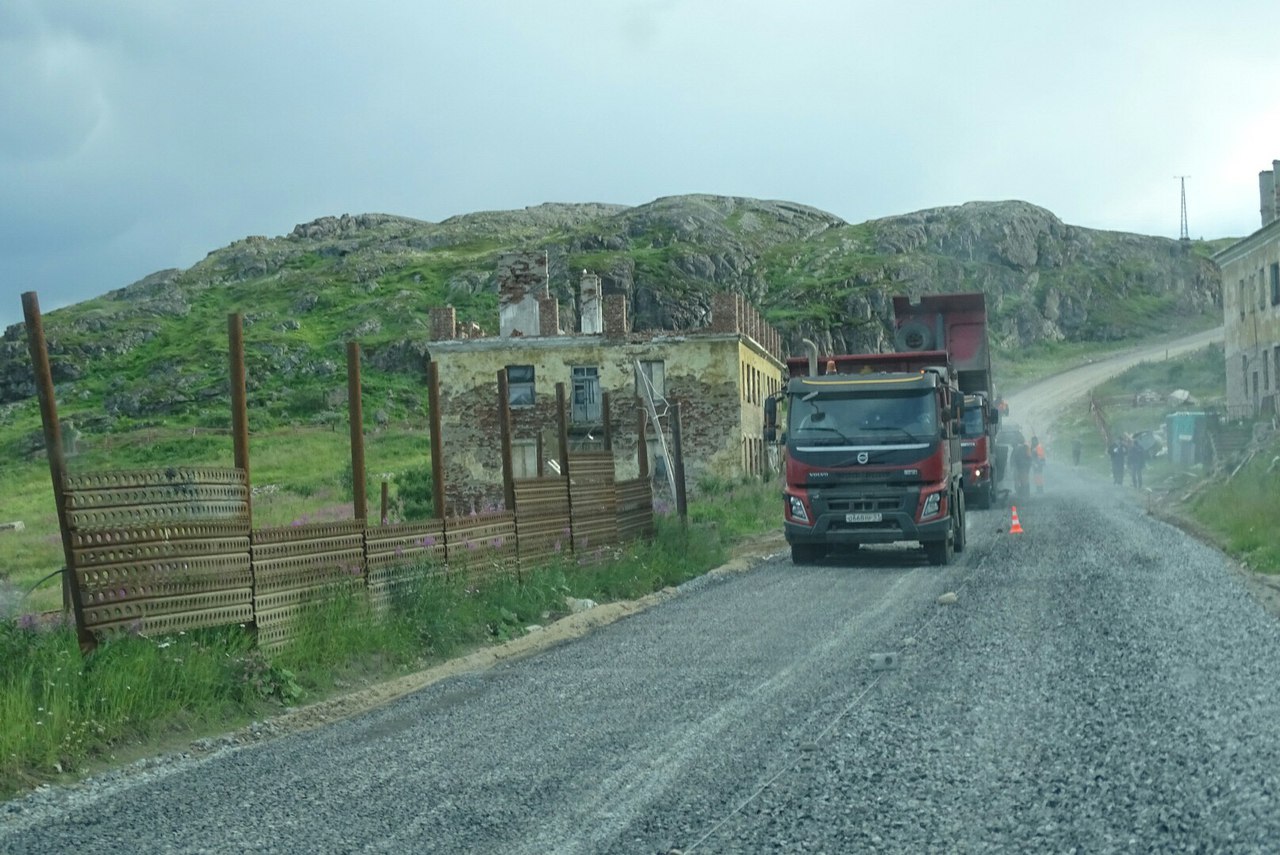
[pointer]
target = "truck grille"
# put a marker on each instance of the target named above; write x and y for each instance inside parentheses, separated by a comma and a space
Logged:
(863, 504)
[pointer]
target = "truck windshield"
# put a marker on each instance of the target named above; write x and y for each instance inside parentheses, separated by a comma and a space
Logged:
(834, 419)
(972, 422)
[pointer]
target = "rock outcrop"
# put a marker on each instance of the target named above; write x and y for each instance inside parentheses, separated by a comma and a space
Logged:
(374, 277)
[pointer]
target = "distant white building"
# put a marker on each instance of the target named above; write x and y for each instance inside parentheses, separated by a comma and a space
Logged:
(1251, 308)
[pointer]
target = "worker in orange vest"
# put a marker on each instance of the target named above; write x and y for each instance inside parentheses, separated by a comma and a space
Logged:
(1037, 464)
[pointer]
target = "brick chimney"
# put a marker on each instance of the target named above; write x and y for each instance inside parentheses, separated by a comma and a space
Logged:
(548, 315)
(726, 311)
(522, 282)
(1267, 194)
(615, 316)
(444, 323)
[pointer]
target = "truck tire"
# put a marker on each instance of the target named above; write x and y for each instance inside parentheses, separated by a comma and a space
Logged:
(982, 500)
(962, 535)
(806, 553)
(940, 552)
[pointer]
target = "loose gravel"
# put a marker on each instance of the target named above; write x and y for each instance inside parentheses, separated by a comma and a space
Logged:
(1102, 683)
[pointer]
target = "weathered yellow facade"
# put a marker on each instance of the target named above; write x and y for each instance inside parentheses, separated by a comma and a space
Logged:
(720, 380)
(1251, 316)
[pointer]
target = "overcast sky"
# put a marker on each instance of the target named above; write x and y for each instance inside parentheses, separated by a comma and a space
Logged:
(137, 135)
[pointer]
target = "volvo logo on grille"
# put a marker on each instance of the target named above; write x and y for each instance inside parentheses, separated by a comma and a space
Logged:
(863, 457)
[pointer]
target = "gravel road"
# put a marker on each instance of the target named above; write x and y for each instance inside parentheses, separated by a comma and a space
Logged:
(1103, 683)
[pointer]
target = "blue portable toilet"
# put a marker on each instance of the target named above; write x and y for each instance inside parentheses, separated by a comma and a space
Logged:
(1187, 434)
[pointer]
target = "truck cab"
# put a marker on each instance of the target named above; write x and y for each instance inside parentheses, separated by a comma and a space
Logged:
(982, 467)
(872, 455)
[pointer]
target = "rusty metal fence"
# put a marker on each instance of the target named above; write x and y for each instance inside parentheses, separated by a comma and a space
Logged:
(635, 509)
(166, 550)
(159, 551)
(593, 500)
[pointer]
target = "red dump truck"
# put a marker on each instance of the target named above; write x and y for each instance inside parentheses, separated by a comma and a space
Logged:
(957, 323)
(872, 453)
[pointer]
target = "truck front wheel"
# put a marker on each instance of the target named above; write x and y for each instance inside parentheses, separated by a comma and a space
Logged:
(940, 552)
(806, 553)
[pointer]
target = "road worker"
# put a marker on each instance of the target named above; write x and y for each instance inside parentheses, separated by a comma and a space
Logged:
(1037, 463)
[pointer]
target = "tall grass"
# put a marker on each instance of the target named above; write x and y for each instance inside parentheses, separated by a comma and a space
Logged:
(59, 711)
(1240, 513)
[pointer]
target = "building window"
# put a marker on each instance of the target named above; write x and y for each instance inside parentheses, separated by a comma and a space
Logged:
(1262, 288)
(1266, 373)
(1241, 300)
(520, 388)
(586, 395)
(1275, 284)
(655, 372)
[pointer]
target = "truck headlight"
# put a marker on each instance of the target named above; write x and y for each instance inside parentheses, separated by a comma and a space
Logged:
(797, 509)
(931, 504)
(977, 473)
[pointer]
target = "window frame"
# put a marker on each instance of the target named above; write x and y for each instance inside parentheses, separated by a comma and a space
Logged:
(523, 388)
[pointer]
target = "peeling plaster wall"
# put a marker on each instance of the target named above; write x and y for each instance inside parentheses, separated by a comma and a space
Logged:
(1252, 320)
(706, 373)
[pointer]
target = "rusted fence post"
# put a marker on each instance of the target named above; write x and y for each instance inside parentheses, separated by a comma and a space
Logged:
(538, 449)
(677, 462)
(437, 440)
(239, 405)
(642, 442)
(608, 421)
(504, 428)
(562, 435)
(562, 429)
(385, 507)
(39, 350)
(355, 413)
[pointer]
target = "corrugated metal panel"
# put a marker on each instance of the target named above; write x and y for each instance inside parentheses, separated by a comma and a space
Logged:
(542, 520)
(482, 545)
(185, 612)
(593, 500)
(635, 509)
(161, 550)
(400, 555)
(296, 566)
(139, 497)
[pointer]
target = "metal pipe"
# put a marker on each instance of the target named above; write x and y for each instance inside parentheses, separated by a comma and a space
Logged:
(239, 406)
(355, 412)
(39, 349)
(813, 356)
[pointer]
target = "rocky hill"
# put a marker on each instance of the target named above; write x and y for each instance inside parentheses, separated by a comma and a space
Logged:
(156, 347)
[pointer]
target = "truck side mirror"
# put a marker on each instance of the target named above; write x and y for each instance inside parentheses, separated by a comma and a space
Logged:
(770, 419)
(995, 418)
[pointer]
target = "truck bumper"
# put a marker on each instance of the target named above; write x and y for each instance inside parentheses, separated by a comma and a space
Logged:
(834, 526)
(974, 483)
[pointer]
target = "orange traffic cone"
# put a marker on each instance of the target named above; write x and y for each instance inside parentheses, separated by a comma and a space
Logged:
(1015, 527)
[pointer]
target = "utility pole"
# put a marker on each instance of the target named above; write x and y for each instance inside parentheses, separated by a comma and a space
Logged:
(1184, 235)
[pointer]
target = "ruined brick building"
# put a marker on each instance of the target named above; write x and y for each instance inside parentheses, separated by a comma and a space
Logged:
(720, 375)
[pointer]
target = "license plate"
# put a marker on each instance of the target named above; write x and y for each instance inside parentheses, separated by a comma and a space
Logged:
(857, 518)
